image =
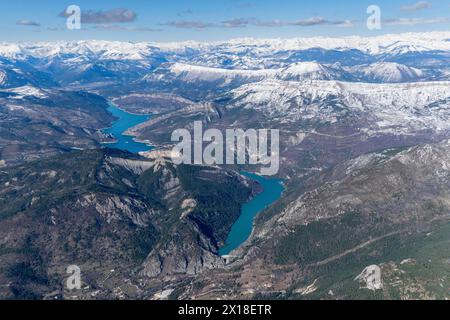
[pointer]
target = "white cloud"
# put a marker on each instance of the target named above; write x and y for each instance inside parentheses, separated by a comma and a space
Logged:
(415, 21)
(421, 5)
(30, 23)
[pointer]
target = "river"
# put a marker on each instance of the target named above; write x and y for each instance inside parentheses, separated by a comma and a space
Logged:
(242, 228)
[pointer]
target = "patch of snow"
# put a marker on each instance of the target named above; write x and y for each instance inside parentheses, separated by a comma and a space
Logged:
(163, 295)
(27, 90)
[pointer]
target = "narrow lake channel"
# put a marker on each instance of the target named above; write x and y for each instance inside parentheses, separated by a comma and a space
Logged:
(242, 228)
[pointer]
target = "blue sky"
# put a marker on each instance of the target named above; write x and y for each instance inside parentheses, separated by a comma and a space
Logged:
(176, 20)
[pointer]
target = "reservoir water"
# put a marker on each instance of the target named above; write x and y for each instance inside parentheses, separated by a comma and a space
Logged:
(123, 123)
(242, 228)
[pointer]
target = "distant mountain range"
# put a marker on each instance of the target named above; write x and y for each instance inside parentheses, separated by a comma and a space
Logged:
(390, 58)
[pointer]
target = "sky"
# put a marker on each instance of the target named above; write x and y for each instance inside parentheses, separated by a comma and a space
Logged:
(208, 20)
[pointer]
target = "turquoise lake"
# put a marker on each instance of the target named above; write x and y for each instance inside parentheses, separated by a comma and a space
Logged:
(242, 228)
(125, 121)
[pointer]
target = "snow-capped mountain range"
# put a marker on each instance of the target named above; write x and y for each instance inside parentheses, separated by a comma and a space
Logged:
(386, 44)
(393, 80)
(384, 59)
(379, 72)
(384, 108)
(296, 71)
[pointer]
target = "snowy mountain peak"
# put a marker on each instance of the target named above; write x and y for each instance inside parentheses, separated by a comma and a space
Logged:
(309, 70)
(391, 72)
